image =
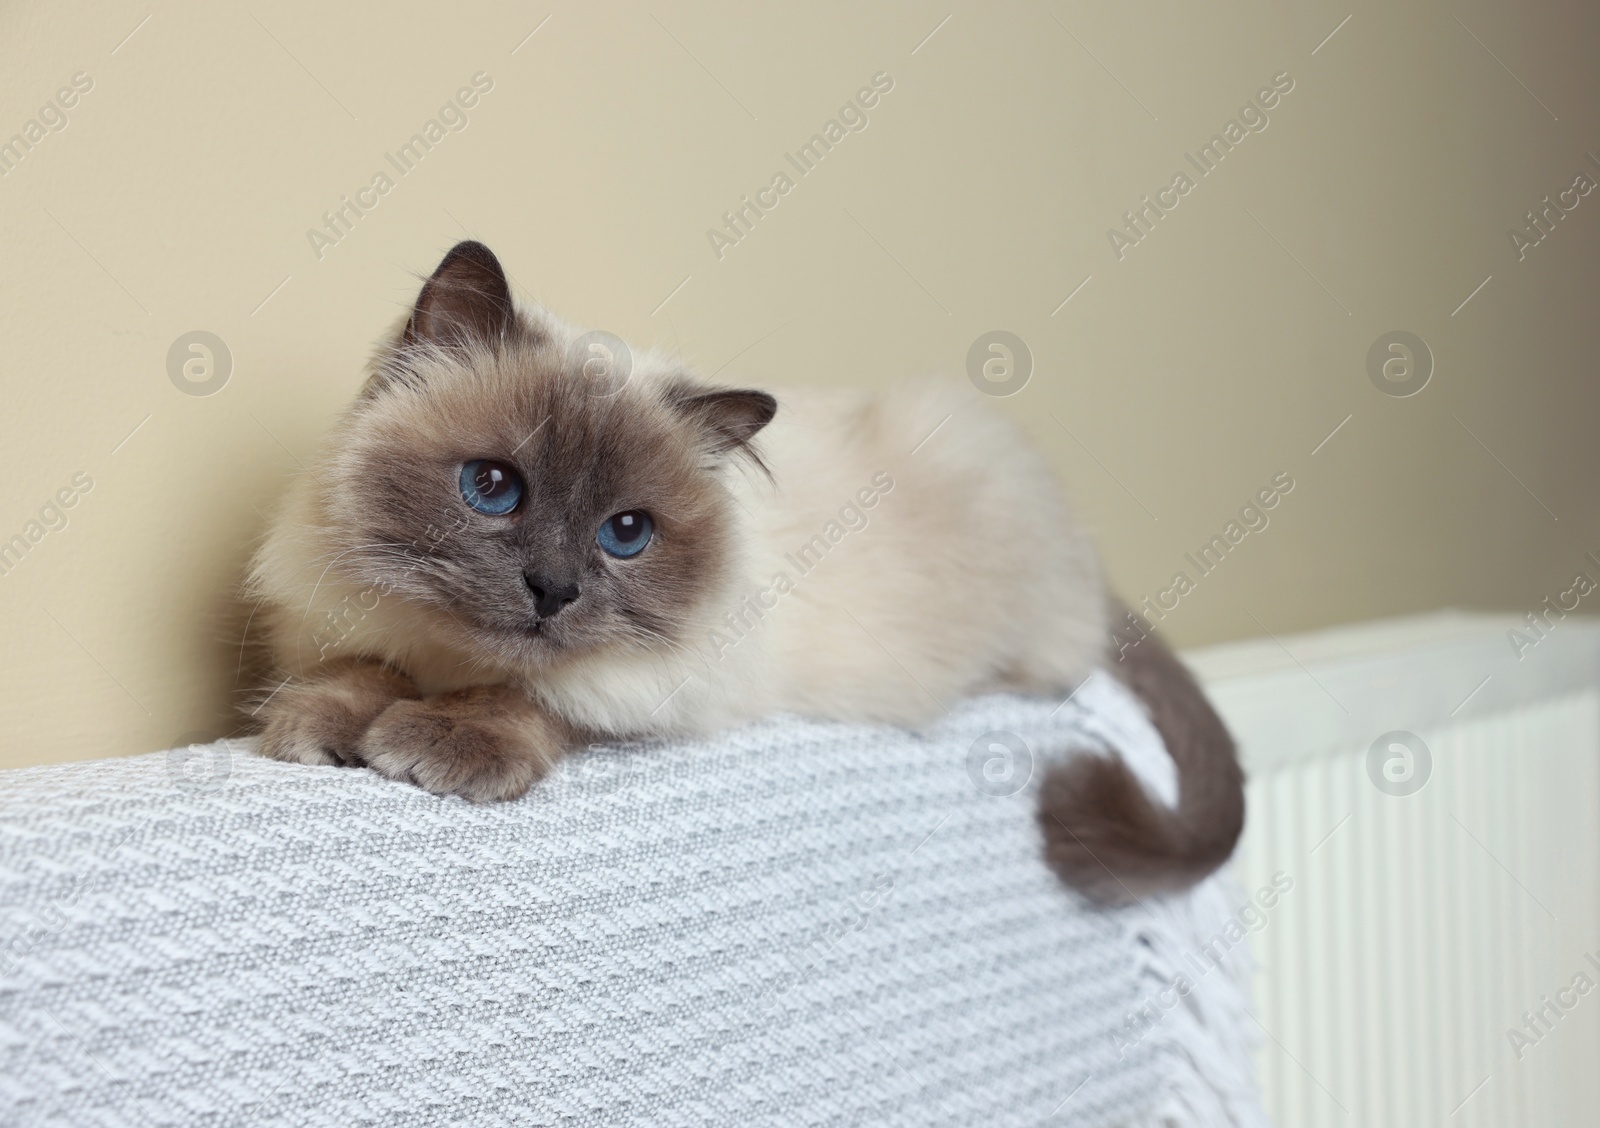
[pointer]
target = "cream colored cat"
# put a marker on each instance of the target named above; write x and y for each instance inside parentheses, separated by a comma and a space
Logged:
(499, 559)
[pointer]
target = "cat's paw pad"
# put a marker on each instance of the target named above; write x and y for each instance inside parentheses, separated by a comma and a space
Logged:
(321, 721)
(458, 744)
(316, 731)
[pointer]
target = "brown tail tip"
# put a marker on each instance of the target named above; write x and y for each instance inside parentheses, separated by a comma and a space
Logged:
(1104, 835)
(1107, 838)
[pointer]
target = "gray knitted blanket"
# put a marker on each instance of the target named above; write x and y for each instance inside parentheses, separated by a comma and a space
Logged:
(793, 924)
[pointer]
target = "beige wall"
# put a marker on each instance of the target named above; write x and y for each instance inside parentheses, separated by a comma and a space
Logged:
(1213, 356)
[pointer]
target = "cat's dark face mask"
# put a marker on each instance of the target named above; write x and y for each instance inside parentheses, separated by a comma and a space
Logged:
(483, 481)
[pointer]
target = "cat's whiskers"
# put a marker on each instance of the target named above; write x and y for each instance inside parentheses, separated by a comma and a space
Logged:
(654, 641)
(299, 641)
(335, 555)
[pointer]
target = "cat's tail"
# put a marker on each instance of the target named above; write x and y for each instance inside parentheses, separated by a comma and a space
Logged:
(1105, 835)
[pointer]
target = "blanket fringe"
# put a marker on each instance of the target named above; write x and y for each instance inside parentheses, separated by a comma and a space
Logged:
(1209, 1036)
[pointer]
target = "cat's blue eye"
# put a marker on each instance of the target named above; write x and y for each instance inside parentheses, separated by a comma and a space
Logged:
(490, 487)
(625, 534)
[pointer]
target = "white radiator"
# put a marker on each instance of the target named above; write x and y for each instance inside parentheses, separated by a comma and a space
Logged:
(1436, 960)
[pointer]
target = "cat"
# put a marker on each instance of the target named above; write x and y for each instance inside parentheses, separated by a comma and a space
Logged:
(500, 557)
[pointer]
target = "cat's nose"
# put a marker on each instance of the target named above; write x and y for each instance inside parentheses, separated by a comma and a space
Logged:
(549, 596)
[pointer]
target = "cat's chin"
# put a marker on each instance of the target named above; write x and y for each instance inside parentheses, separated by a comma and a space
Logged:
(533, 644)
(540, 640)
(537, 638)
(509, 644)
(549, 646)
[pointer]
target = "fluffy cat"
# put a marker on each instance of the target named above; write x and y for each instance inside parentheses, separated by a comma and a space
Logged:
(499, 559)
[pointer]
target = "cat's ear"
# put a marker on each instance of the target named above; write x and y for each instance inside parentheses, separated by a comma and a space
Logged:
(466, 300)
(727, 419)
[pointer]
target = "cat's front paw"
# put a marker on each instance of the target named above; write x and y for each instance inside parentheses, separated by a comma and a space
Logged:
(321, 721)
(485, 744)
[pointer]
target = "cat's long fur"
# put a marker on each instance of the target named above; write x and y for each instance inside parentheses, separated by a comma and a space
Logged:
(926, 553)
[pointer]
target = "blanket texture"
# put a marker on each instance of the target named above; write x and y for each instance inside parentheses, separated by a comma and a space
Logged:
(792, 924)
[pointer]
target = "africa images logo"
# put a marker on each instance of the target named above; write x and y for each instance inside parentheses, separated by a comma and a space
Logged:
(52, 117)
(1140, 221)
(340, 221)
(741, 219)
